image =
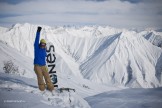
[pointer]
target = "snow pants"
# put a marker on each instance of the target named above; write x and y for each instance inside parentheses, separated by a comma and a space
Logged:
(42, 74)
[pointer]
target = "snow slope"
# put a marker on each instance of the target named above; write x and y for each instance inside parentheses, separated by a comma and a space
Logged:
(128, 98)
(125, 58)
(154, 37)
(20, 92)
(24, 63)
(101, 54)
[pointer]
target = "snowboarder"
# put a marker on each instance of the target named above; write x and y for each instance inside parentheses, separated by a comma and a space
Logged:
(40, 63)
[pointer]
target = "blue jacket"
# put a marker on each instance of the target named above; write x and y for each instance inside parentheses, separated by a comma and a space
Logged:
(39, 53)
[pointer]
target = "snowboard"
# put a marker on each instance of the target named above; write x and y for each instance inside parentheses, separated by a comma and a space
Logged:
(66, 89)
(50, 61)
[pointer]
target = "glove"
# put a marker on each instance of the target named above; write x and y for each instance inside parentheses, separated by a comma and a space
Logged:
(39, 29)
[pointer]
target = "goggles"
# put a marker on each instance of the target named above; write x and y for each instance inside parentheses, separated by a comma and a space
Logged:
(43, 44)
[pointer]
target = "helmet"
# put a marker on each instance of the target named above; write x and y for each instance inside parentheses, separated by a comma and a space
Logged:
(43, 41)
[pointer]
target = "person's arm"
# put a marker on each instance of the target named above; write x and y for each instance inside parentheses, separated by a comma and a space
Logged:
(36, 43)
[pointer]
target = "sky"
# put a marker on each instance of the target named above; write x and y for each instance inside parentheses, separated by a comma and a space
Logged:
(116, 13)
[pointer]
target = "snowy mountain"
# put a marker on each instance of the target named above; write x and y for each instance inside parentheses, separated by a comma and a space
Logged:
(96, 61)
(154, 37)
(125, 58)
(100, 54)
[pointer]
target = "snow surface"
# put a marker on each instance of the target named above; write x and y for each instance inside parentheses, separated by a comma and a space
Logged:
(99, 62)
(19, 92)
(128, 98)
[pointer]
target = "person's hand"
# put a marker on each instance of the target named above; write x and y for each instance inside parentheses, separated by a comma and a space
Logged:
(39, 29)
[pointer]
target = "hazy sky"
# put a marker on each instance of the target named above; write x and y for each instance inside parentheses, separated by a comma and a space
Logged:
(116, 13)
